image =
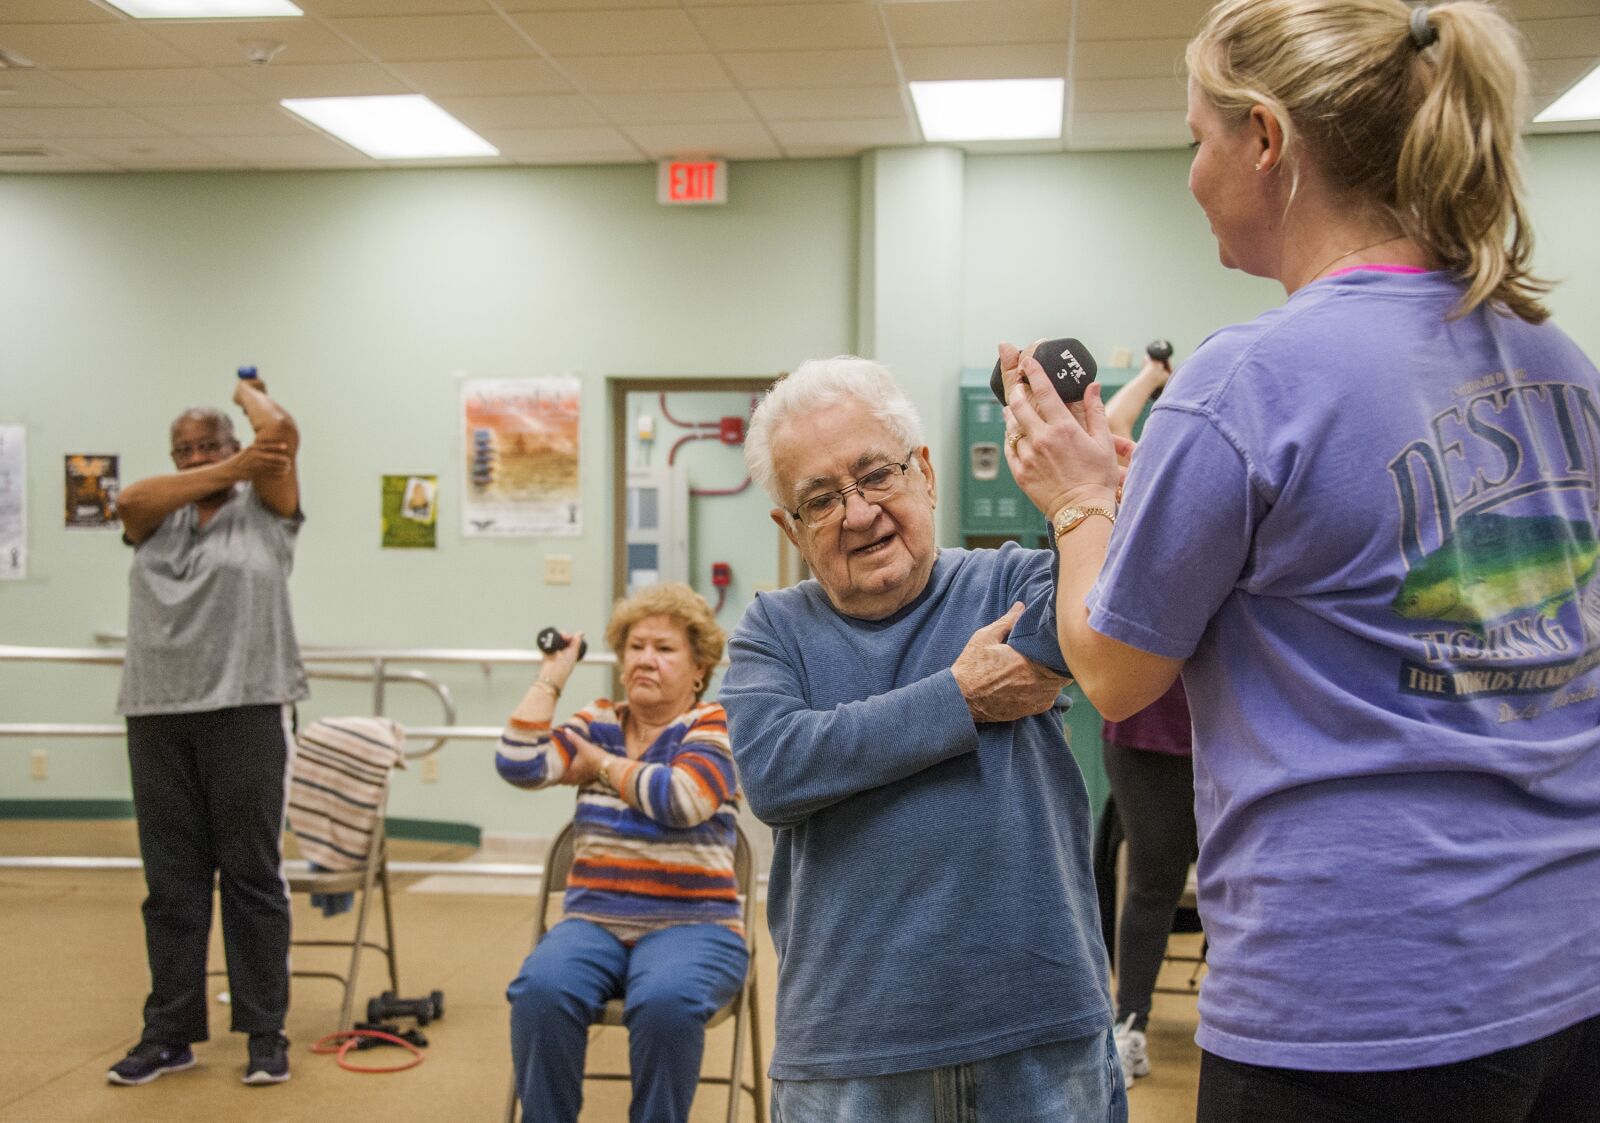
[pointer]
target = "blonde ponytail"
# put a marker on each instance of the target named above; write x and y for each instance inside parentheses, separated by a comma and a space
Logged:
(1416, 115)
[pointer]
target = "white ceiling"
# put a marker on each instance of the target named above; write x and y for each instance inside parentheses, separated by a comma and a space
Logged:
(610, 81)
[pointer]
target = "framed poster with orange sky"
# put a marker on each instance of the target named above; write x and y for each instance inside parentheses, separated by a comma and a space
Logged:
(520, 449)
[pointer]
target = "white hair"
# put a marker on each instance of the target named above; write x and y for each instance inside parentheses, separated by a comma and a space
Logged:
(814, 385)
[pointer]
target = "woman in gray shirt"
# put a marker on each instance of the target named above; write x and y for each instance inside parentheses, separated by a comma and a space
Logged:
(210, 678)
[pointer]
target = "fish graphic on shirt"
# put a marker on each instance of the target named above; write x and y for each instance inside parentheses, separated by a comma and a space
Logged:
(1492, 566)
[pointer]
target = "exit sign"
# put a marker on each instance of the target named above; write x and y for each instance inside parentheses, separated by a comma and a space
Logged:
(692, 182)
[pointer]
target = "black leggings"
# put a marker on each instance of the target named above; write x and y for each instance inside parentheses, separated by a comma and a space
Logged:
(1553, 1080)
(1155, 802)
(208, 791)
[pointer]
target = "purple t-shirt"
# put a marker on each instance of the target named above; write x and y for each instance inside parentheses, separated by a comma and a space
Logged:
(1370, 530)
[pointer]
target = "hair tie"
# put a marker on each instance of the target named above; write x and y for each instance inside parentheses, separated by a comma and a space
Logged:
(1423, 33)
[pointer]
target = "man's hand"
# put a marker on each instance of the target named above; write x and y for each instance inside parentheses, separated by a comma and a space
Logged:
(999, 682)
(262, 460)
(244, 386)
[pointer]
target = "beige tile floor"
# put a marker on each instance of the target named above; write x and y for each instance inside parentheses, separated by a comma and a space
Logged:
(74, 976)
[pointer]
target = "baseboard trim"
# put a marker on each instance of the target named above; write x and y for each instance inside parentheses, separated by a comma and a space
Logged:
(416, 830)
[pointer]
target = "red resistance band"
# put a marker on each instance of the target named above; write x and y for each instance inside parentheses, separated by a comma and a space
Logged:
(345, 1040)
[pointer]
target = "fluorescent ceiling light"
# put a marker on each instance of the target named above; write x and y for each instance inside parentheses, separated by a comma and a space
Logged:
(1003, 109)
(205, 9)
(398, 127)
(1581, 103)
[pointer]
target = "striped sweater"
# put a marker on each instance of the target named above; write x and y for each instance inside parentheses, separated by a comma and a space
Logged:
(662, 853)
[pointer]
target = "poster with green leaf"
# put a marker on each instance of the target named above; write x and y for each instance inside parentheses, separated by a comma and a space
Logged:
(410, 512)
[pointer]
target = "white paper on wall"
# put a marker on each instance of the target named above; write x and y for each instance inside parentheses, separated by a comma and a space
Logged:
(13, 503)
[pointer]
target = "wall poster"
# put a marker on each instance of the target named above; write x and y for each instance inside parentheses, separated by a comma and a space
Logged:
(520, 446)
(13, 503)
(410, 512)
(91, 490)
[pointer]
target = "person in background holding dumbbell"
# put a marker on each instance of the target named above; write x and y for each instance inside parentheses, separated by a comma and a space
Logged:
(1147, 759)
(1125, 406)
(209, 683)
(651, 910)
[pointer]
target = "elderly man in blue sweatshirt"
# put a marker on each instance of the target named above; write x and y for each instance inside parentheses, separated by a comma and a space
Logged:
(893, 720)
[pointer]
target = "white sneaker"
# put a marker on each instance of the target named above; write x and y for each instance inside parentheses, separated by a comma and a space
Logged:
(1131, 1050)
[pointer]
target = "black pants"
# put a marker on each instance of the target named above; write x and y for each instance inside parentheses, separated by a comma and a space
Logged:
(1554, 1080)
(208, 789)
(1155, 801)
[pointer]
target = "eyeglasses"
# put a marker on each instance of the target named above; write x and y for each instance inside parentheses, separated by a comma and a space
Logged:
(205, 448)
(874, 487)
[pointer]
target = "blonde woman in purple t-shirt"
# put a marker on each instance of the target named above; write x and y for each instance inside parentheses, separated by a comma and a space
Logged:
(1363, 528)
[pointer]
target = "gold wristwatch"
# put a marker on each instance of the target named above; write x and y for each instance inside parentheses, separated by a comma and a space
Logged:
(1068, 518)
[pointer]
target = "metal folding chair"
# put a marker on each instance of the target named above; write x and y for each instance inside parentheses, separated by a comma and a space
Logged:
(373, 873)
(744, 1009)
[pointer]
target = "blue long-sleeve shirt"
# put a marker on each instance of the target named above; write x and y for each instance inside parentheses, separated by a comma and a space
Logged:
(931, 897)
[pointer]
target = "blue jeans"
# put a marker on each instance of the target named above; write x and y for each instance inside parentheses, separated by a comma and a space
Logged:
(671, 982)
(1064, 1082)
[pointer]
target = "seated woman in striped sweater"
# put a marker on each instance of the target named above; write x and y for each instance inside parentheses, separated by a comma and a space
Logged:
(651, 910)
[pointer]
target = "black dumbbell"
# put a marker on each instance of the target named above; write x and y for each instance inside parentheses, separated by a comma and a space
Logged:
(1161, 351)
(389, 1005)
(1068, 364)
(551, 641)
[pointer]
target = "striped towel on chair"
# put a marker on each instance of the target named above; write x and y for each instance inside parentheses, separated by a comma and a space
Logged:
(337, 787)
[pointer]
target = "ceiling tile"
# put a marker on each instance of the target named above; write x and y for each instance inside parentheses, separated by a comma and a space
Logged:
(57, 11)
(1118, 19)
(35, 87)
(308, 150)
(654, 32)
(1128, 95)
(88, 46)
(57, 161)
(1129, 58)
(487, 76)
(829, 104)
(522, 111)
(417, 38)
(876, 133)
(1552, 77)
(186, 86)
(227, 120)
(582, 5)
(636, 73)
(333, 80)
(217, 43)
(783, 70)
(674, 108)
(800, 27)
(77, 123)
(156, 152)
(1547, 38)
(729, 142)
(1548, 9)
(334, 8)
(1030, 60)
(565, 146)
(955, 23)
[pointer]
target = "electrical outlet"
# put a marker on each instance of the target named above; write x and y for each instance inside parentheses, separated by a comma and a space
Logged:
(558, 569)
(1120, 357)
(430, 769)
(39, 764)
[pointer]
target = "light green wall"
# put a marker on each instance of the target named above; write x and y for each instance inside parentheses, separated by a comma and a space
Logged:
(361, 295)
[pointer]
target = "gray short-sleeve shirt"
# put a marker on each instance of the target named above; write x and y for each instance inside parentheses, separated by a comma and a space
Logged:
(209, 625)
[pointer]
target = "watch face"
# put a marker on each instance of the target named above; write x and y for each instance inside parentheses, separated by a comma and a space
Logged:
(1069, 518)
